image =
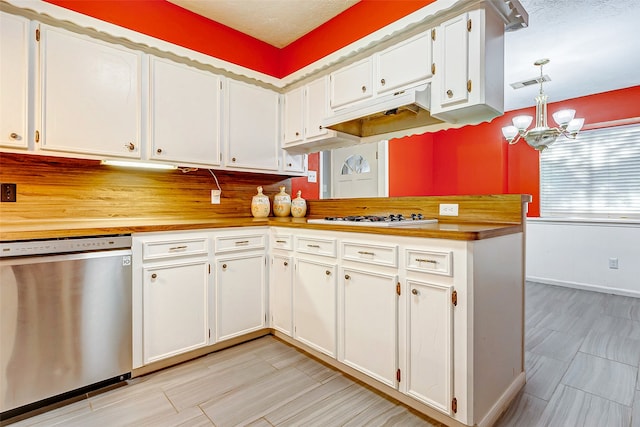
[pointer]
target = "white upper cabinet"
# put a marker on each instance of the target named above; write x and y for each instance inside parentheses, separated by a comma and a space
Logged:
(91, 99)
(252, 127)
(184, 113)
(294, 115)
(468, 85)
(316, 106)
(404, 64)
(14, 72)
(352, 83)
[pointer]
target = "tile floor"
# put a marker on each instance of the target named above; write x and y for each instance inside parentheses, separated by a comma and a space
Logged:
(582, 359)
(582, 356)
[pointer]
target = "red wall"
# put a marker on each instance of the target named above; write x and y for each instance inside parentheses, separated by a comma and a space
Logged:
(310, 190)
(477, 160)
(166, 21)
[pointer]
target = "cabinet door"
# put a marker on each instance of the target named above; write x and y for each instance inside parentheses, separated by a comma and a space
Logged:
(369, 323)
(316, 104)
(293, 116)
(351, 84)
(405, 64)
(252, 127)
(429, 343)
(90, 95)
(295, 163)
(14, 72)
(314, 305)
(175, 309)
(240, 295)
(184, 113)
(281, 293)
(452, 47)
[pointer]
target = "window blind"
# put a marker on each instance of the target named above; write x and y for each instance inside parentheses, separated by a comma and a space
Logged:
(596, 175)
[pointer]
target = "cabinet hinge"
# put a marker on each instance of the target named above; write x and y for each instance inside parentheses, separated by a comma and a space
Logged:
(454, 405)
(37, 136)
(209, 333)
(469, 86)
(376, 155)
(209, 268)
(37, 34)
(433, 34)
(398, 375)
(433, 68)
(398, 288)
(454, 298)
(220, 156)
(469, 25)
(220, 84)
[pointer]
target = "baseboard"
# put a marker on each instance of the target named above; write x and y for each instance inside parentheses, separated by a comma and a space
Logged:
(585, 286)
(504, 401)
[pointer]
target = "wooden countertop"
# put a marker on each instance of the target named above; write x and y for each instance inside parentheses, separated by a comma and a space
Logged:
(27, 230)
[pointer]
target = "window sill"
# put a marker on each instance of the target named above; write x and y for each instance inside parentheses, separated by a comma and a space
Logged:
(604, 222)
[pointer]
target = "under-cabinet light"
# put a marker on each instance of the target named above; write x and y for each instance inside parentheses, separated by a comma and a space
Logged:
(143, 165)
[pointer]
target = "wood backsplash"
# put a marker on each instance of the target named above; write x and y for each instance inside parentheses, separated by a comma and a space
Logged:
(62, 188)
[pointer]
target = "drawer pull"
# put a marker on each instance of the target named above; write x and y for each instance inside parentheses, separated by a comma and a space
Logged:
(313, 246)
(432, 261)
(366, 253)
(154, 275)
(415, 292)
(281, 241)
(242, 242)
(177, 248)
(13, 135)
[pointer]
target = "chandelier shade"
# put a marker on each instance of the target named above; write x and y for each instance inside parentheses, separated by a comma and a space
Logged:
(541, 135)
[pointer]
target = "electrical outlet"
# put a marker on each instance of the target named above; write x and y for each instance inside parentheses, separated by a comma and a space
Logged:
(613, 263)
(8, 192)
(312, 176)
(215, 197)
(449, 209)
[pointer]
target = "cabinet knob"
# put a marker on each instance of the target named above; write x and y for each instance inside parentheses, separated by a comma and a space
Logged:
(383, 82)
(159, 151)
(328, 273)
(233, 159)
(289, 164)
(297, 133)
(450, 93)
(347, 277)
(415, 291)
(224, 266)
(154, 275)
(130, 146)
(286, 263)
(13, 135)
(364, 89)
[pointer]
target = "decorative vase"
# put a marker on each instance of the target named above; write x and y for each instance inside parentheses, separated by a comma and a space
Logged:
(282, 203)
(299, 206)
(260, 207)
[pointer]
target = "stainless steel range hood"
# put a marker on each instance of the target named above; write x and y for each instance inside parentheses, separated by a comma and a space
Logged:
(399, 111)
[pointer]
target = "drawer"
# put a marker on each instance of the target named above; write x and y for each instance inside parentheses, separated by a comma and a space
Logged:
(316, 246)
(175, 248)
(386, 255)
(435, 262)
(239, 242)
(282, 241)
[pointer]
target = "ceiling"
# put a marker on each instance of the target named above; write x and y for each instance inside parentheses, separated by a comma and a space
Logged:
(592, 44)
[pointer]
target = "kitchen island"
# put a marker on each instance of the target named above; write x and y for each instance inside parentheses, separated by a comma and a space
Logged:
(431, 315)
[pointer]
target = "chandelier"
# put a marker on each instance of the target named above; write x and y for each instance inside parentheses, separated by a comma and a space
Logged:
(541, 136)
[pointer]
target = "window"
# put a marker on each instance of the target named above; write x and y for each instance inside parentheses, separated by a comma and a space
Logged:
(597, 175)
(355, 163)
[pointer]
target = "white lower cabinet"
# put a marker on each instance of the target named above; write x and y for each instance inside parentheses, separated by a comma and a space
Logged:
(368, 319)
(314, 305)
(175, 309)
(429, 348)
(240, 295)
(281, 293)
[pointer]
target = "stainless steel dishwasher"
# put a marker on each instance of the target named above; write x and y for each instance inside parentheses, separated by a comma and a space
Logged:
(65, 319)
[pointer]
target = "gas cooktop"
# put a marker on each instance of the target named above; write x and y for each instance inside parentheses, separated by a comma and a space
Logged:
(393, 220)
